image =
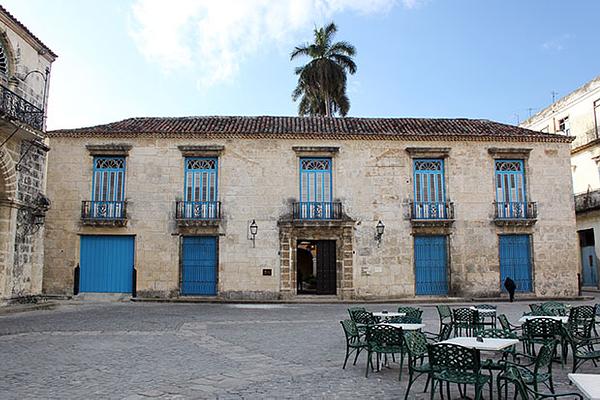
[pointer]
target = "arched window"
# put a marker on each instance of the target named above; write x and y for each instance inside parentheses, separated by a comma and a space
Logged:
(3, 61)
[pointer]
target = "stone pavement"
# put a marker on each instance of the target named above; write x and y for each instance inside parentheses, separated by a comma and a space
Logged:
(195, 351)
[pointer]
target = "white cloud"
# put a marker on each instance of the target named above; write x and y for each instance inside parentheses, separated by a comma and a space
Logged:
(557, 44)
(213, 38)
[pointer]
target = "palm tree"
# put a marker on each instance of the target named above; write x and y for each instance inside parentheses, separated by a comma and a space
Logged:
(322, 81)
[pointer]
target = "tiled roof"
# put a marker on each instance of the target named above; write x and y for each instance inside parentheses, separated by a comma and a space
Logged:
(22, 26)
(315, 127)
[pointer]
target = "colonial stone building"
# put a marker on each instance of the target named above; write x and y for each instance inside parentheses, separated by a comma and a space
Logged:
(24, 77)
(283, 207)
(578, 115)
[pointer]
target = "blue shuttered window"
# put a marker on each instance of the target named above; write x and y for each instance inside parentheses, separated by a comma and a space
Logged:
(430, 200)
(200, 189)
(315, 188)
(515, 261)
(108, 187)
(511, 201)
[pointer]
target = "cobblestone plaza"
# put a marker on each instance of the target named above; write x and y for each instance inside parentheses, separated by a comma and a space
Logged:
(197, 351)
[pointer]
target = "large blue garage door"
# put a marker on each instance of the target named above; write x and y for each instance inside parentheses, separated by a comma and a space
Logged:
(515, 261)
(199, 269)
(106, 264)
(431, 265)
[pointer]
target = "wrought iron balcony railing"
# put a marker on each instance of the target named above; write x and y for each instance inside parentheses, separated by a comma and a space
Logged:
(92, 210)
(317, 210)
(198, 210)
(15, 106)
(515, 210)
(426, 210)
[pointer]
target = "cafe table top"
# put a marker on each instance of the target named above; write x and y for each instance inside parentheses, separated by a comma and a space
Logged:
(389, 314)
(406, 327)
(524, 318)
(488, 344)
(588, 384)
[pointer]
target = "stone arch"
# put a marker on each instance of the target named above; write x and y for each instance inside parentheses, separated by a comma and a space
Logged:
(8, 176)
(8, 56)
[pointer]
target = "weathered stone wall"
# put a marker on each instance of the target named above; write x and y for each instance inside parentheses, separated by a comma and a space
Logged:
(258, 179)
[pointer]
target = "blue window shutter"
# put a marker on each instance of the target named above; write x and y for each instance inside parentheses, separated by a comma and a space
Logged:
(316, 188)
(511, 198)
(200, 188)
(429, 194)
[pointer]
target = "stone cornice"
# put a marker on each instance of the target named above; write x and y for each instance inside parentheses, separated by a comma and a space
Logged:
(312, 151)
(212, 150)
(111, 149)
(428, 152)
(509, 152)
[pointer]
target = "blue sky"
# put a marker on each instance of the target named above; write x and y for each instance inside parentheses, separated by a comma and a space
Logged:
(416, 58)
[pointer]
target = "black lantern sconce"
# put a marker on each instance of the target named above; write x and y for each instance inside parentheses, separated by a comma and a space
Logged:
(253, 232)
(379, 232)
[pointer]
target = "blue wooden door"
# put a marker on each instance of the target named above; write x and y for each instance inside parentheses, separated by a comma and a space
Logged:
(515, 261)
(315, 188)
(200, 188)
(510, 189)
(108, 187)
(431, 265)
(199, 266)
(106, 264)
(429, 189)
(589, 266)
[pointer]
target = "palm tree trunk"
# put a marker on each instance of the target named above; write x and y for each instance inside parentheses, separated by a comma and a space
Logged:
(327, 106)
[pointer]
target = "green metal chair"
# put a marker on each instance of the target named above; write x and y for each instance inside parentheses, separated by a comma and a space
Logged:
(489, 318)
(443, 334)
(491, 364)
(554, 308)
(538, 370)
(354, 342)
(540, 331)
(416, 349)
(407, 319)
(445, 315)
(466, 322)
(384, 339)
(353, 309)
(513, 376)
(456, 364)
(363, 319)
(516, 329)
(582, 348)
(581, 320)
(411, 312)
(536, 310)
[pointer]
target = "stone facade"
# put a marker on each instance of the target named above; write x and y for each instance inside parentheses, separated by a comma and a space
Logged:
(22, 158)
(259, 180)
(581, 109)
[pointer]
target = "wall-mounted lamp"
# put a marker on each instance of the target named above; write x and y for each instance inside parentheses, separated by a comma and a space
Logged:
(253, 232)
(379, 232)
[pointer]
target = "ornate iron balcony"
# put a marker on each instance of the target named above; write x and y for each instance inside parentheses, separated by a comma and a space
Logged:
(198, 210)
(427, 210)
(14, 106)
(515, 210)
(104, 212)
(317, 210)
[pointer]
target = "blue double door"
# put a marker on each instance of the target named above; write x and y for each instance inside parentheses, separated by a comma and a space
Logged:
(106, 264)
(199, 266)
(515, 261)
(431, 265)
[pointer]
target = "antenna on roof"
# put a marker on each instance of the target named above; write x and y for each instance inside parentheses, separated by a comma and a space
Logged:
(554, 93)
(530, 110)
(517, 117)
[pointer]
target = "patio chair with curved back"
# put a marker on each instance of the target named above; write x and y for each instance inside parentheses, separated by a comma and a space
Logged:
(554, 308)
(581, 320)
(353, 309)
(384, 339)
(487, 318)
(443, 334)
(363, 319)
(416, 349)
(536, 310)
(540, 331)
(445, 315)
(411, 312)
(491, 364)
(537, 371)
(354, 342)
(407, 319)
(456, 364)
(466, 321)
(513, 376)
(582, 348)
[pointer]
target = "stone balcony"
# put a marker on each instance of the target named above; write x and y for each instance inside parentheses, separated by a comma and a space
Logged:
(587, 201)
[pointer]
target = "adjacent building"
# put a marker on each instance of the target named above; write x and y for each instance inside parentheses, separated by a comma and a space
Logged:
(25, 64)
(577, 115)
(284, 207)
